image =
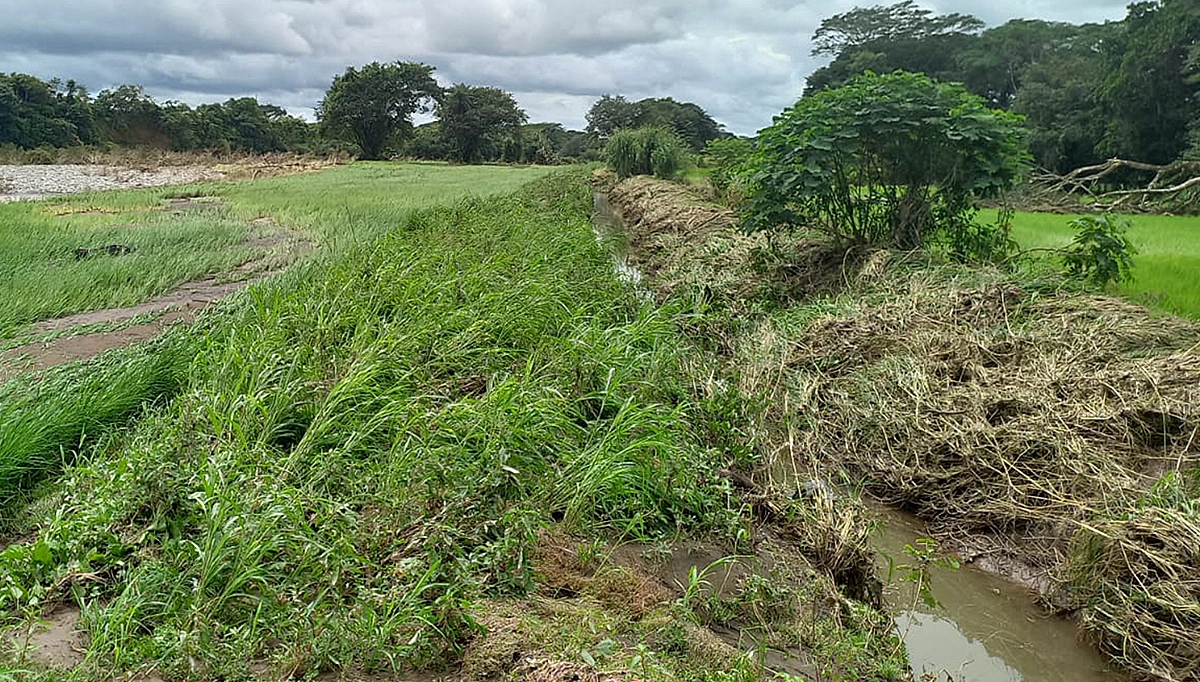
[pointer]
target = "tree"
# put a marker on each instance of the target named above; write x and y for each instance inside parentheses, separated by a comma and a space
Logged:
(131, 117)
(373, 106)
(609, 114)
(1060, 98)
(894, 160)
(1150, 93)
(34, 113)
(689, 121)
(478, 122)
(902, 21)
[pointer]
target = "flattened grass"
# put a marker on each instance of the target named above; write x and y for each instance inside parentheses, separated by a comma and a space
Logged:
(1166, 269)
(54, 265)
(42, 277)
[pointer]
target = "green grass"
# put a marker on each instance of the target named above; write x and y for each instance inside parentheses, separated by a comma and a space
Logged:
(363, 456)
(42, 278)
(1166, 267)
(45, 422)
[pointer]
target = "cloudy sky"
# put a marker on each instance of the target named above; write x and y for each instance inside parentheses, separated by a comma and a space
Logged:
(742, 60)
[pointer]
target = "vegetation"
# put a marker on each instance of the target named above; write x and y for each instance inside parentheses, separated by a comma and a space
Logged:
(613, 113)
(374, 105)
(480, 123)
(1091, 92)
(1167, 265)
(891, 160)
(1100, 252)
(56, 259)
(1009, 408)
(370, 463)
(645, 151)
(43, 424)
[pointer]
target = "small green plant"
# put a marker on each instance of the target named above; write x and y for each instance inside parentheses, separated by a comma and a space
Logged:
(1101, 252)
(646, 151)
(924, 556)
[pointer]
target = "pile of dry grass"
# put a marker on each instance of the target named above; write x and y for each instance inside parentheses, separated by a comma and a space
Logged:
(1059, 428)
(1046, 420)
(682, 242)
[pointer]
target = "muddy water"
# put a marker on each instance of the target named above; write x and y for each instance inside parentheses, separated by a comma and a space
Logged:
(609, 233)
(985, 629)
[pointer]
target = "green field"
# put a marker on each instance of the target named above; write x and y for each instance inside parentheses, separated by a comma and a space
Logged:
(1166, 267)
(43, 275)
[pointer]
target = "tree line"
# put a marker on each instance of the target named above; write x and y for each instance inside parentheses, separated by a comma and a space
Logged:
(1089, 92)
(368, 111)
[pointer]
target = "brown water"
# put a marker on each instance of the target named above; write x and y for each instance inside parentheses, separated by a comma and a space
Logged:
(985, 629)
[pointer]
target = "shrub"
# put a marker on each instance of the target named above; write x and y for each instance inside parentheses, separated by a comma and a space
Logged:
(646, 151)
(728, 159)
(1100, 252)
(894, 160)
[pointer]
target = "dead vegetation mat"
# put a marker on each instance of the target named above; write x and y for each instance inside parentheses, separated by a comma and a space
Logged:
(1061, 426)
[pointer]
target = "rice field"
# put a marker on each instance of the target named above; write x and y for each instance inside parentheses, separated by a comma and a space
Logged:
(1166, 267)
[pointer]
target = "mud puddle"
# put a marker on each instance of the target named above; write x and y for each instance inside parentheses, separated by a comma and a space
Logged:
(984, 629)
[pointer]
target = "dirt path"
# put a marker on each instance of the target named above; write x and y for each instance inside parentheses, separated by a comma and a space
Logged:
(182, 304)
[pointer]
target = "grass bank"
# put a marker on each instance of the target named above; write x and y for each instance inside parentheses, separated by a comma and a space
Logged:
(45, 422)
(466, 446)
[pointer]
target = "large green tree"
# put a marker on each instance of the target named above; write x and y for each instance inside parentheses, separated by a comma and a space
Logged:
(480, 123)
(903, 21)
(895, 159)
(36, 113)
(613, 113)
(1150, 91)
(373, 106)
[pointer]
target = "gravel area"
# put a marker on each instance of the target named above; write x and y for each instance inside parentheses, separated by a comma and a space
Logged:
(38, 182)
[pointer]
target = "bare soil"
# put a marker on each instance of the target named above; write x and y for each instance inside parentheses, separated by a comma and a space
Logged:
(56, 642)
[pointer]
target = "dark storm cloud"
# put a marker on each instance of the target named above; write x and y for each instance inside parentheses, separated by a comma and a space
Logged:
(743, 60)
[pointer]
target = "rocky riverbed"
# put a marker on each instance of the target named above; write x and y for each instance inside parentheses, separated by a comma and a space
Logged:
(38, 182)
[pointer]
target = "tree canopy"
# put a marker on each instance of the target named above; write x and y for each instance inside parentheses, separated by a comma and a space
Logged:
(373, 106)
(479, 122)
(613, 113)
(1091, 91)
(887, 159)
(900, 22)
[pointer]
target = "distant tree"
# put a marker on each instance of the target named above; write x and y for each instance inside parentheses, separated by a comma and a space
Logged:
(373, 106)
(34, 113)
(693, 125)
(609, 114)
(1060, 96)
(902, 21)
(129, 116)
(1151, 93)
(479, 122)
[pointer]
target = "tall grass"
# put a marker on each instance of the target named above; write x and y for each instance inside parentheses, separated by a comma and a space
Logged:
(43, 274)
(45, 423)
(365, 449)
